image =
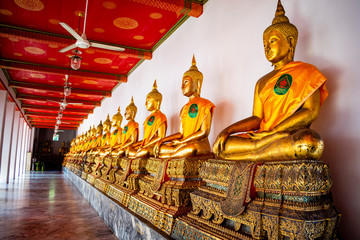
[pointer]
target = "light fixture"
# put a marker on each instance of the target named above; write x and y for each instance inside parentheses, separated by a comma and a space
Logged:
(67, 90)
(75, 60)
(63, 105)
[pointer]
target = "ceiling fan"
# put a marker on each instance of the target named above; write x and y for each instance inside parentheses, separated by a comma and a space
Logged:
(82, 42)
(64, 104)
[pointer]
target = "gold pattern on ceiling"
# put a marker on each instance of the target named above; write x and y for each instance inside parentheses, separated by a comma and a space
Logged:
(31, 5)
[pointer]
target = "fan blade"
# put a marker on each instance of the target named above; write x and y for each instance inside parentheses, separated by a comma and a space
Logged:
(76, 103)
(52, 101)
(65, 49)
(71, 31)
(108, 47)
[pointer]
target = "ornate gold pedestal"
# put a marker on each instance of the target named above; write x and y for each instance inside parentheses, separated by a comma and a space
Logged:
(103, 182)
(293, 201)
(165, 192)
(127, 179)
(90, 161)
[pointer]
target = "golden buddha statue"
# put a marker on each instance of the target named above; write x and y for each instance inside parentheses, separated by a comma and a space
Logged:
(155, 126)
(286, 101)
(115, 138)
(111, 163)
(130, 132)
(105, 140)
(196, 116)
(97, 139)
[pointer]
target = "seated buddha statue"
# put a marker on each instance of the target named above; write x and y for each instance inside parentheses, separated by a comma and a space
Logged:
(130, 132)
(105, 139)
(155, 126)
(97, 139)
(195, 121)
(286, 102)
(115, 137)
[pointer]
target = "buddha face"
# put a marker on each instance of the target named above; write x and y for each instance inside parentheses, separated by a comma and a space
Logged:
(106, 127)
(188, 86)
(276, 47)
(116, 122)
(128, 114)
(151, 104)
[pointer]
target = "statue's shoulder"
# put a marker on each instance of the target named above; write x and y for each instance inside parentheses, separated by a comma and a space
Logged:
(260, 84)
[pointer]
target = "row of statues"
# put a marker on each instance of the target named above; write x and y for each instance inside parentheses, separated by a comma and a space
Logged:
(191, 140)
(265, 181)
(286, 102)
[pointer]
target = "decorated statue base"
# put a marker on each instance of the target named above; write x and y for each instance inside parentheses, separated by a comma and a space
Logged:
(90, 161)
(274, 200)
(165, 192)
(127, 179)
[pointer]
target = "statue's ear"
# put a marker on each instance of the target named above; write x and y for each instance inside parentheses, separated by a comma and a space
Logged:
(291, 41)
(198, 82)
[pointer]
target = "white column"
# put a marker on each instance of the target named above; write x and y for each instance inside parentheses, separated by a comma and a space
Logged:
(7, 140)
(26, 128)
(28, 155)
(3, 101)
(14, 145)
(19, 149)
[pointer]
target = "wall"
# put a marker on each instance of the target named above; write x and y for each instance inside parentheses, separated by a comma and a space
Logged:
(227, 43)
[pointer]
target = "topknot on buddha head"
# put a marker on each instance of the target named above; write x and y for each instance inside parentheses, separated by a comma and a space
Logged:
(282, 24)
(195, 74)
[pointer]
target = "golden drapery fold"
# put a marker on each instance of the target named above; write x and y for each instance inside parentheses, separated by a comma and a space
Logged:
(287, 90)
(128, 131)
(152, 124)
(194, 113)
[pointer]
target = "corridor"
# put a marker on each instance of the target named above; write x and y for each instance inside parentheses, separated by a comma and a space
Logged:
(47, 206)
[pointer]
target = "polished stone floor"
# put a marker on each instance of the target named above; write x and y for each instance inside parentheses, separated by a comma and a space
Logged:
(47, 206)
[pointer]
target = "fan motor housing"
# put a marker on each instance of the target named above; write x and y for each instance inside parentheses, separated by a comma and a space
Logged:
(82, 44)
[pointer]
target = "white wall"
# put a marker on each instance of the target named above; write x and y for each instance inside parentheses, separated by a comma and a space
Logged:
(227, 42)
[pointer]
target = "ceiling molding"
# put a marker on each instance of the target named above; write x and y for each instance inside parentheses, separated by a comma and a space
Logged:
(187, 7)
(71, 109)
(46, 99)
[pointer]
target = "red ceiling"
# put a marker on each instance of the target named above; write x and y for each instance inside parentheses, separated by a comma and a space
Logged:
(31, 37)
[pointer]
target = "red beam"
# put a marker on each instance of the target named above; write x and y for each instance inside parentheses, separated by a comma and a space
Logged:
(71, 109)
(97, 93)
(37, 114)
(53, 120)
(52, 127)
(31, 67)
(186, 7)
(46, 99)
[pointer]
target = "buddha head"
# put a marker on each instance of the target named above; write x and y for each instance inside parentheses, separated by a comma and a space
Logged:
(192, 81)
(153, 99)
(99, 128)
(131, 110)
(117, 119)
(280, 38)
(107, 124)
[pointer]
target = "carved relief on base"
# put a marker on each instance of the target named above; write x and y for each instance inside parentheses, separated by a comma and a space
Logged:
(293, 200)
